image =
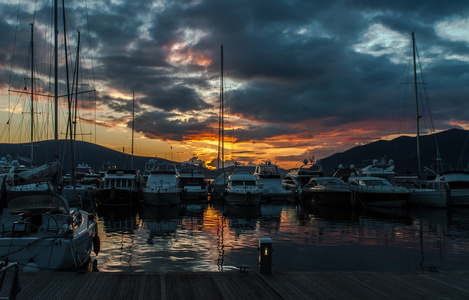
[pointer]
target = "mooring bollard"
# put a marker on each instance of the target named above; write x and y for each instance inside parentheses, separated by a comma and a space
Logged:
(265, 255)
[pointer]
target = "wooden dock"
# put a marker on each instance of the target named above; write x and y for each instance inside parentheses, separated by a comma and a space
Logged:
(243, 285)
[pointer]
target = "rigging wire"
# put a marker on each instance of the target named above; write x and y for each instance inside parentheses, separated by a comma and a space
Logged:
(92, 67)
(427, 109)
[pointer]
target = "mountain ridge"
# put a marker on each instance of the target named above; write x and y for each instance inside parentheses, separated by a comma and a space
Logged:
(452, 148)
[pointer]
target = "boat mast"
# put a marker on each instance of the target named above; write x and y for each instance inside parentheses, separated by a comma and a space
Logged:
(221, 122)
(69, 98)
(73, 134)
(32, 92)
(133, 122)
(56, 84)
(417, 116)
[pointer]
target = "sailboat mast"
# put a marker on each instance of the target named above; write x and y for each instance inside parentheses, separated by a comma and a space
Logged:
(417, 116)
(221, 124)
(56, 83)
(222, 116)
(73, 134)
(32, 93)
(133, 122)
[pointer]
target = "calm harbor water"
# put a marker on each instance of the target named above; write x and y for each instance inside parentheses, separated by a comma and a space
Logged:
(213, 237)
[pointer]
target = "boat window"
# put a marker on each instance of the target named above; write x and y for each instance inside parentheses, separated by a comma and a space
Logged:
(458, 184)
(250, 183)
(194, 182)
(331, 181)
(237, 183)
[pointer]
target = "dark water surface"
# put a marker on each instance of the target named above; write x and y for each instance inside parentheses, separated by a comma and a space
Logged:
(213, 237)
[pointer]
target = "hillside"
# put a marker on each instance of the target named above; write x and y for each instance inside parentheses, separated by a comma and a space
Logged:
(402, 150)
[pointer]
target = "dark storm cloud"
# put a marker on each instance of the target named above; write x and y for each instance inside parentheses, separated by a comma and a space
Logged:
(292, 61)
(163, 125)
(262, 132)
(176, 98)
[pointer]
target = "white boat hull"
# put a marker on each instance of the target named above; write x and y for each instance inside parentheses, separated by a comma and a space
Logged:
(243, 198)
(159, 197)
(273, 189)
(49, 251)
(458, 197)
(427, 198)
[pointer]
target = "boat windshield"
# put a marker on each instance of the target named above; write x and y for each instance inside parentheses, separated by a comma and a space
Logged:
(267, 170)
(373, 182)
(243, 183)
(237, 183)
(330, 181)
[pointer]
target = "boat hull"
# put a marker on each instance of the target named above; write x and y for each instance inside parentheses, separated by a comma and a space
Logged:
(366, 198)
(193, 193)
(243, 199)
(427, 198)
(458, 197)
(330, 198)
(119, 197)
(48, 250)
(273, 190)
(162, 198)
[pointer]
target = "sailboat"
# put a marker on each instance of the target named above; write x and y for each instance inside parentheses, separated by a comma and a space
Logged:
(80, 188)
(421, 195)
(39, 230)
(218, 185)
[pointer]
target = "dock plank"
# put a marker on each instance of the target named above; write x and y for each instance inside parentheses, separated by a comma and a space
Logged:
(237, 285)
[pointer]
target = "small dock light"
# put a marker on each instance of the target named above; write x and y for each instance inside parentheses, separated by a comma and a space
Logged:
(265, 255)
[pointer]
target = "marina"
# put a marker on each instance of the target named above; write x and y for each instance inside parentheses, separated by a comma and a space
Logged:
(241, 220)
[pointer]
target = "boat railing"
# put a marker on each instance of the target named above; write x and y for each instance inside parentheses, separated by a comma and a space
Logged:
(15, 288)
(334, 185)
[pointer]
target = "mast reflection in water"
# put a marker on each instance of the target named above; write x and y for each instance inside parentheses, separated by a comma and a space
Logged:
(212, 237)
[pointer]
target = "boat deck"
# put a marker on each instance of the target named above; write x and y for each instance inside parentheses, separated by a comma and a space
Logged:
(243, 285)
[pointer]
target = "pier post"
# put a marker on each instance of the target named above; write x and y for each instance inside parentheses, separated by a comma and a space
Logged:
(265, 255)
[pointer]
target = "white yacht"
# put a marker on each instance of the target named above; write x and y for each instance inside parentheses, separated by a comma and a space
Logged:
(269, 178)
(162, 186)
(192, 179)
(328, 191)
(296, 179)
(377, 192)
(422, 195)
(120, 188)
(242, 190)
(454, 184)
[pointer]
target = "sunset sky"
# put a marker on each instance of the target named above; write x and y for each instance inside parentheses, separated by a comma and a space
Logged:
(303, 78)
